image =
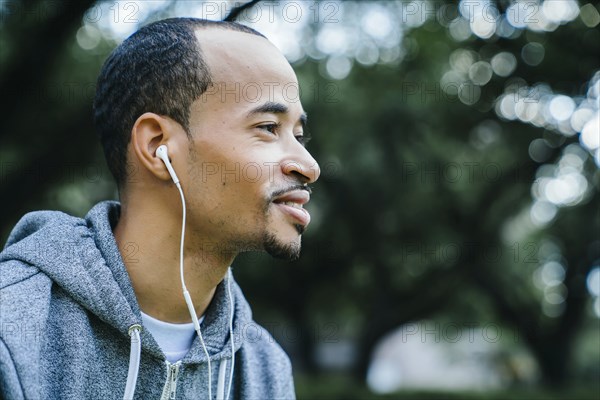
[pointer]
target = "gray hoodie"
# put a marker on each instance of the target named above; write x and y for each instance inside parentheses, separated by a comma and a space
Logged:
(66, 306)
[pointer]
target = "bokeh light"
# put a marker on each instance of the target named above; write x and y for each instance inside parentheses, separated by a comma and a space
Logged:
(480, 73)
(589, 15)
(561, 107)
(338, 67)
(593, 287)
(590, 134)
(593, 281)
(542, 213)
(504, 64)
(533, 53)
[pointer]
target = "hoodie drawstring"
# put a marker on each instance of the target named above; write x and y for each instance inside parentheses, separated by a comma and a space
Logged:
(134, 361)
(221, 394)
(221, 380)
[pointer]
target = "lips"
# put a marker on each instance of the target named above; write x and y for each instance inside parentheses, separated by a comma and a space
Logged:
(291, 204)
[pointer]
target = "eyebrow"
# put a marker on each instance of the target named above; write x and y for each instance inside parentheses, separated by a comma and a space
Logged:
(271, 107)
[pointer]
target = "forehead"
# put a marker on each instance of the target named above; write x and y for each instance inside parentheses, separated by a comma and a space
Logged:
(246, 67)
(232, 55)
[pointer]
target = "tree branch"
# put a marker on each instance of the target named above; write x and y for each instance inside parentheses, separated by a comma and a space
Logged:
(232, 16)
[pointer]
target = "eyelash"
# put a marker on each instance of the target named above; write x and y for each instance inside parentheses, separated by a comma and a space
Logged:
(303, 140)
(271, 128)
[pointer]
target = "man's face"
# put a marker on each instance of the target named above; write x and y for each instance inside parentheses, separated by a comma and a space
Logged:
(248, 167)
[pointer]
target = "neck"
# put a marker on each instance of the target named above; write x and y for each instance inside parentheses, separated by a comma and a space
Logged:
(149, 236)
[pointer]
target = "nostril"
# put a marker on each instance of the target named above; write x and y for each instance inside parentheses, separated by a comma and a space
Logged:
(301, 177)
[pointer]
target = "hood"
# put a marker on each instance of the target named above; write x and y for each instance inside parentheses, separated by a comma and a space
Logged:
(81, 256)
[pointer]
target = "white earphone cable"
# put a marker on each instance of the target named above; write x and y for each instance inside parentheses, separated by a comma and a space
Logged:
(231, 309)
(186, 294)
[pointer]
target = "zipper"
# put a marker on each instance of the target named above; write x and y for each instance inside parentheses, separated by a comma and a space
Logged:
(170, 387)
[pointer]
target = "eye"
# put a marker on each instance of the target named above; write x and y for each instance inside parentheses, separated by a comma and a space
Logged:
(303, 140)
(271, 128)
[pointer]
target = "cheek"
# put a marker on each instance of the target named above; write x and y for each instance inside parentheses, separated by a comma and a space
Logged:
(234, 191)
(227, 179)
(253, 172)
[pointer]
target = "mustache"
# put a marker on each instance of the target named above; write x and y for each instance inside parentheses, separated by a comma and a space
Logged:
(281, 192)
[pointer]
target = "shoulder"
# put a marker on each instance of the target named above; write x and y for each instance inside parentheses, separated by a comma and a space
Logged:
(257, 340)
(39, 239)
(25, 293)
(43, 222)
(10, 386)
(265, 363)
(263, 369)
(13, 272)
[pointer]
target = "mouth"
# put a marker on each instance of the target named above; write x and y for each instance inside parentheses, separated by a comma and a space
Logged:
(291, 204)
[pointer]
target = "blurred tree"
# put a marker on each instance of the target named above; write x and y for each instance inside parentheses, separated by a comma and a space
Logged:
(413, 180)
(45, 103)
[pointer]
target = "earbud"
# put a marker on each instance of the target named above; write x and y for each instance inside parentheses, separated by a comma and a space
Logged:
(162, 153)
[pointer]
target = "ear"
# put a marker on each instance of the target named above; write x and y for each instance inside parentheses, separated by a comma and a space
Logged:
(150, 131)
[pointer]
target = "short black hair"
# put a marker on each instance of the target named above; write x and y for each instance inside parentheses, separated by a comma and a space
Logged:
(158, 69)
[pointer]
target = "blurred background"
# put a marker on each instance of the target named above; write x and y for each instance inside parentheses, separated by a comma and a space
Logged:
(455, 245)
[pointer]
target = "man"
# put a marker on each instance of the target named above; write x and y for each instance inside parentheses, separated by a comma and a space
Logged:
(217, 104)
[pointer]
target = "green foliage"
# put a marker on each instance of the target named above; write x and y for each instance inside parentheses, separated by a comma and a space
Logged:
(333, 386)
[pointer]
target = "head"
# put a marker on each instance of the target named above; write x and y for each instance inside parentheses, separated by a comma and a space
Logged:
(226, 103)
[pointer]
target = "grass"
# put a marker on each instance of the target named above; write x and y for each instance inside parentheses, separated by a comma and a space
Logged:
(343, 387)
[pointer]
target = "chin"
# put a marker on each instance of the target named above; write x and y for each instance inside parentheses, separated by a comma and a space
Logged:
(280, 247)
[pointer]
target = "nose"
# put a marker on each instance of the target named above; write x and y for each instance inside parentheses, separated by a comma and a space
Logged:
(301, 166)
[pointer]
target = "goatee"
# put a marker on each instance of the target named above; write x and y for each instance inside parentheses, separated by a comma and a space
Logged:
(285, 251)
